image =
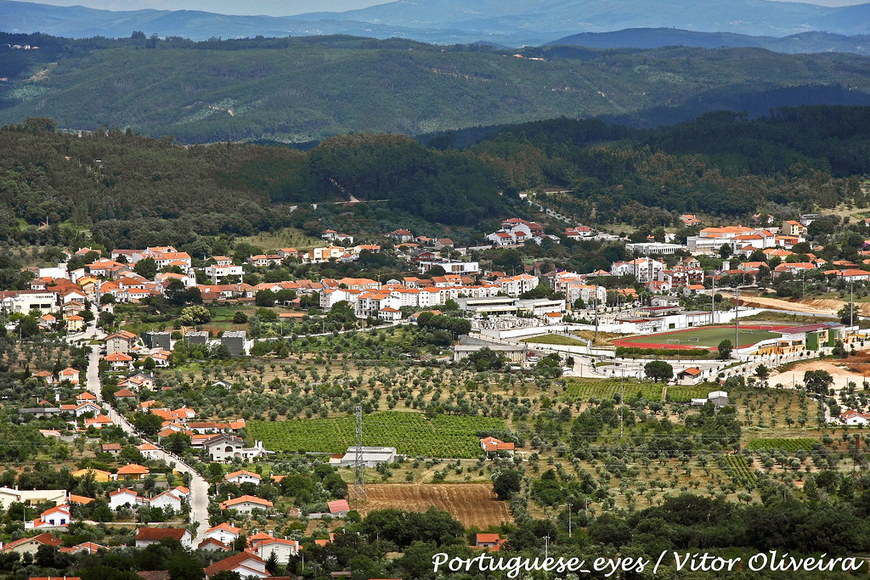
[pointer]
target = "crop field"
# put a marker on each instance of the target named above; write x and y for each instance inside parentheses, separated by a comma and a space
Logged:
(606, 388)
(413, 434)
(781, 444)
(685, 393)
(707, 337)
(473, 504)
(738, 469)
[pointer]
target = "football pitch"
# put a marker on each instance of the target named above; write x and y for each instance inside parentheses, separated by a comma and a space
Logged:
(707, 337)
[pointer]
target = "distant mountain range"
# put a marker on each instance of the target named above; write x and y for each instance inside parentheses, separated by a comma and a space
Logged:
(646, 38)
(305, 89)
(505, 22)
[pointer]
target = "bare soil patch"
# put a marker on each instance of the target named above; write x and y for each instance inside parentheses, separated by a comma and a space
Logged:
(854, 369)
(473, 504)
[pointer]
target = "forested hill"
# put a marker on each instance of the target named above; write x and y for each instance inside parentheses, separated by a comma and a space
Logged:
(136, 191)
(305, 89)
(720, 163)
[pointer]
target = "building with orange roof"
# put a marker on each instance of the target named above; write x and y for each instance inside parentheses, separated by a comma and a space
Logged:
(148, 536)
(119, 361)
(223, 533)
(492, 445)
(278, 548)
(55, 517)
(31, 545)
(80, 499)
(492, 542)
(83, 548)
(132, 471)
(243, 476)
(245, 564)
(98, 422)
(246, 504)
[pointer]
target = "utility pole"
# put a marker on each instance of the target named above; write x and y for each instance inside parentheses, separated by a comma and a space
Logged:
(569, 520)
(546, 546)
(359, 470)
(622, 406)
(595, 304)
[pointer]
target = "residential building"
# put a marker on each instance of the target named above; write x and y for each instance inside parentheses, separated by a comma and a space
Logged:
(243, 476)
(246, 504)
(55, 517)
(223, 533)
(493, 445)
(283, 550)
(31, 545)
(245, 564)
(224, 447)
(516, 285)
(148, 536)
(132, 471)
(643, 269)
(124, 497)
(167, 499)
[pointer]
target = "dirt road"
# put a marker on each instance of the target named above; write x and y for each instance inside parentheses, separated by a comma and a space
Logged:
(815, 306)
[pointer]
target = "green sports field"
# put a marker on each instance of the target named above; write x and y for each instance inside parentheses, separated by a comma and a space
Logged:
(701, 337)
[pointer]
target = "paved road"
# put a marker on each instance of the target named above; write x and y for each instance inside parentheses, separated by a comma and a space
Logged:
(198, 486)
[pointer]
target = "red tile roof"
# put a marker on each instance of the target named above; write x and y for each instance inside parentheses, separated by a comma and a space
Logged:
(157, 534)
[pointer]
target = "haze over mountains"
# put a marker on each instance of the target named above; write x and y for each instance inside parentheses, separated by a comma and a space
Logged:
(507, 22)
(646, 38)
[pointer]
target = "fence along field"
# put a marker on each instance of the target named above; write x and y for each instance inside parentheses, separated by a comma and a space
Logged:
(412, 434)
(701, 337)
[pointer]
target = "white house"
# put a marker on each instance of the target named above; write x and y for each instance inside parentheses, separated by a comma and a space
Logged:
(246, 504)
(223, 533)
(56, 517)
(283, 549)
(225, 447)
(148, 450)
(245, 564)
(124, 498)
(166, 500)
(243, 476)
(852, 417)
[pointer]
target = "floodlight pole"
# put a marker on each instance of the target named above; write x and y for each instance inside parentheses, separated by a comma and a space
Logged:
(737, 321)
(851, 304)
(713, 303)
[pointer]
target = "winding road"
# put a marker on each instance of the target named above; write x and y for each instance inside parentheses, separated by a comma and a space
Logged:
(198, 498)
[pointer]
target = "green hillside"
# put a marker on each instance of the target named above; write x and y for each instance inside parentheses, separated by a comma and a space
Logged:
(135, 191)
(304, 89)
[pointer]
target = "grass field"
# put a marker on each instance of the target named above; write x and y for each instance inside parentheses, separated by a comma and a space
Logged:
(410, 433)
(703, 337)
(283, 238)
